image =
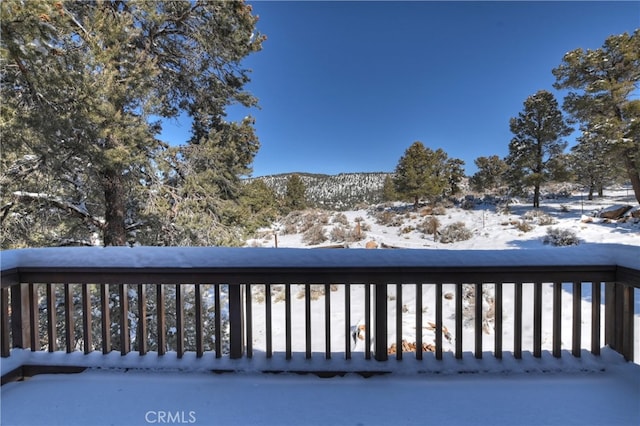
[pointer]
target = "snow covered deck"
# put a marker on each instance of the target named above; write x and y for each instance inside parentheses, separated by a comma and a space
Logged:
(591, 390)
(161, 320)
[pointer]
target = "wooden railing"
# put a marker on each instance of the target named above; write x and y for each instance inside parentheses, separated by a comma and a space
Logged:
(97, 287)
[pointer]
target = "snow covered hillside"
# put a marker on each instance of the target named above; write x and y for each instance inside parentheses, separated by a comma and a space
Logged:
(338, 192)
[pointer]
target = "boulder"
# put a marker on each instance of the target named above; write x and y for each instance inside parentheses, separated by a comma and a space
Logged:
(614, 212)
(371, 245)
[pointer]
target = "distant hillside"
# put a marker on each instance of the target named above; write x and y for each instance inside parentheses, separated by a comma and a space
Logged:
(336, 192)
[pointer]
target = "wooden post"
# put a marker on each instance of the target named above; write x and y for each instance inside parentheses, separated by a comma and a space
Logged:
(20, 329)
(4, 310)
(627, 323)
(380, 322)
(236, 321)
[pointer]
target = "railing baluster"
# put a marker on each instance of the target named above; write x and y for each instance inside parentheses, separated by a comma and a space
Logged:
(459, 289)
(69, 329)
(34, 320)
(367, 321)
(287, 319)
(347, 322)
(105, 319)
(198, 319)
(517, 321)
(627, 322)
(497, 319)
(51, 318)
(419, 321)
(141, 332)
(557, 319)
(577, 319)
(4, 309)
(596, 299)
(327, 321)
(236, 320)
(619, 318)
(249, 323)
(125, 338)
(307, 320)
(610, 315)
(398, 321)
(478, 323)
(179, 320)
(161, 321)
(380, 320)
(268, 319)
(86, 318)
(20, 316)
(217, 321)
(438, 320)
(537, 319)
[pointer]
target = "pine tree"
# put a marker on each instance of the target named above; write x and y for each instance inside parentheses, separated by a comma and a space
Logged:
(536, 147)
(389, 190)
(602, 83)
(490, 174)
(591, 165)
(455, 173)
(81, 82)
(422, 172)
(295, 197)
(259, 205)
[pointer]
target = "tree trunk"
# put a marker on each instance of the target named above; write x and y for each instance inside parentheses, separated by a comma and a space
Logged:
(536, 196)
(634, 176)
(114, 233)
(590, 197)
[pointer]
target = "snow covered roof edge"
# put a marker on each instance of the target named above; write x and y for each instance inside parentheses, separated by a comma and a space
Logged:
(225, 257)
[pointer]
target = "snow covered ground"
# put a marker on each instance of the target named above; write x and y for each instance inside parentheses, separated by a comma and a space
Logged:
(137, 390)
(491, 229)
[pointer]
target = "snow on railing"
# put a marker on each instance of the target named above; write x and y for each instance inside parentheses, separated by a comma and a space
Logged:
(377, 303)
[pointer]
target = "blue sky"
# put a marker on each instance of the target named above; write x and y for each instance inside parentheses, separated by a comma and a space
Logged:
(348, 86)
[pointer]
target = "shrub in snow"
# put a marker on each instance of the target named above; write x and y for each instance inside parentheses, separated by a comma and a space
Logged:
(430, 225)
(388, 218)
(340, 218)
(314, 235)
(344, 234)
(545, 219)
(315, 291)
(524, 226)
(503, 208)
(540, 217)
(405, 230)
(338, 234)
(561, 237)
(455, 232)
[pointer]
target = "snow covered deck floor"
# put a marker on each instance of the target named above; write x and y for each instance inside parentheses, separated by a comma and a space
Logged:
(589, 390)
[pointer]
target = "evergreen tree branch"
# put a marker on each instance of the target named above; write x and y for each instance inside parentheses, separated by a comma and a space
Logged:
(57, 202)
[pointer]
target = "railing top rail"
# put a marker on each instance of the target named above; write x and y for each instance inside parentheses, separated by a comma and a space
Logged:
(256, 265)
(265, 258)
